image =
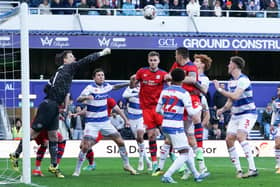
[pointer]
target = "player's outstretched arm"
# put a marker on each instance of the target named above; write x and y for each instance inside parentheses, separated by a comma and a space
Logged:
(119, 86)
(105, 52)
(90, 58)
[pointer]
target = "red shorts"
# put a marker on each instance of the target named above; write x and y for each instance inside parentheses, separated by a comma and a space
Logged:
(43, 137)
(99, 137)
(151, 118)
(195, 100)
(195, 104)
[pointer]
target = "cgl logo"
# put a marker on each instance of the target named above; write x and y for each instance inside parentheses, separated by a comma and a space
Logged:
(167, 42)
(46, 41)
(104, 42)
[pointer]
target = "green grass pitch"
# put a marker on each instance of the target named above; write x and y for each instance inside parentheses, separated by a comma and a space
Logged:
(109, 173)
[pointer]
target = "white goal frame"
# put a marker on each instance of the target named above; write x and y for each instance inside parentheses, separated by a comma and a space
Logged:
(25, 81)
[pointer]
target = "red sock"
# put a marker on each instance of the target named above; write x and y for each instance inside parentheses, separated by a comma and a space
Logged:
(60, 150)
(198, 133)
(153, 149)
(40, 155)
(90, 156)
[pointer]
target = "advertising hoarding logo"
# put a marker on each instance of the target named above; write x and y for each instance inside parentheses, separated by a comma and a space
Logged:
(5, 41)
(112, 42)
(46, 41)
(104, 42)
(55, 42)
(167, 43)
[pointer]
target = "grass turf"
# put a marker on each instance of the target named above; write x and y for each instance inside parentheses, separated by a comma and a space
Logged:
(109, 173)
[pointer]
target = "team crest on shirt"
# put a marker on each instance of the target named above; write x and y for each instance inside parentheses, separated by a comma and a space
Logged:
(145, 75)
(158, 77)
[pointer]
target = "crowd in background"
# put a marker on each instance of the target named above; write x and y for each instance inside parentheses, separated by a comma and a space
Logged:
(218, 8)
(72, 125)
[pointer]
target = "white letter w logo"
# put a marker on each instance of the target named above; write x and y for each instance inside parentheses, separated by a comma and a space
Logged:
(46, 41)
(104, 42)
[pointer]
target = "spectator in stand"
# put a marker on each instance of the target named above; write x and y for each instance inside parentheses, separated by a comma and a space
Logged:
(251, 9)
(93, 5)
(240, 10)
(83, 4)
(227, 9)
(17, 132)
(193, 8)
(266, 119)
(70, 4)
(57, 4)
(117, 121)
(166, 7)
(143, 3)
(159, 8)
(205, 9)
(272, 7)
(45, 7)
(218, 99)
(218, 9)
(77, 124)
(214, 132)
(107, 9)
(121, 105)
(175, 8)
(128, 9)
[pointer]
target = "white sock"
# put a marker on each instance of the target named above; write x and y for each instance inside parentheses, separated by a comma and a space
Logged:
(164, 151)
(124, 156)
(201, 165)
(180, 160)
(234, 158)
(277, 157)
(141, 149)
(249, 155)
(80, 161)
(191, 165)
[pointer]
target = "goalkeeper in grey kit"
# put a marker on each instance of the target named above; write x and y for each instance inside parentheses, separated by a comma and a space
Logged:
(56, 91)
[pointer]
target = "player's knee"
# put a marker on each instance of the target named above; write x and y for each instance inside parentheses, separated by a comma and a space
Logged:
(37, 127)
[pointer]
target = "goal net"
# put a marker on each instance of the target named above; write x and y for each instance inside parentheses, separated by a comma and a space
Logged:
(14, 91)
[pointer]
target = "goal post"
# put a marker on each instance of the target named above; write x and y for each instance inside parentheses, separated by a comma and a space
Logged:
(25, 110)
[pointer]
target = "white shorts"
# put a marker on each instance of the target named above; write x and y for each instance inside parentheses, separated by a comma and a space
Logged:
(243, 122)
(106, 129)
(189, 127)
(135, 125)
(179, 140)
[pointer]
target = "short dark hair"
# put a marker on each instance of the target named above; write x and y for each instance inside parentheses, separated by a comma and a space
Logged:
(60, 56)
(18, 119)
(239, 61)
(153, 53)
(178, 75)
(96, 71)
(183, 51)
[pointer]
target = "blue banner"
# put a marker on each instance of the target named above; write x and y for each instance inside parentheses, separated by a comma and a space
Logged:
(145, 42)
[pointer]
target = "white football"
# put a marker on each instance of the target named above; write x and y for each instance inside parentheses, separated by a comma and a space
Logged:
(150, 12)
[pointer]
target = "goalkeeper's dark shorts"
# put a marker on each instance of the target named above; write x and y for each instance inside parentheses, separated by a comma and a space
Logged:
(46, 117)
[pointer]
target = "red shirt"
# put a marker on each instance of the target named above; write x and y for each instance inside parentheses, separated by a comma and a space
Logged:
(111, 103)
(151, 85)
(188, 67)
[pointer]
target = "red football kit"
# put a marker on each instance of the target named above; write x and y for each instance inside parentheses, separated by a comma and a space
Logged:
(151, 85)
